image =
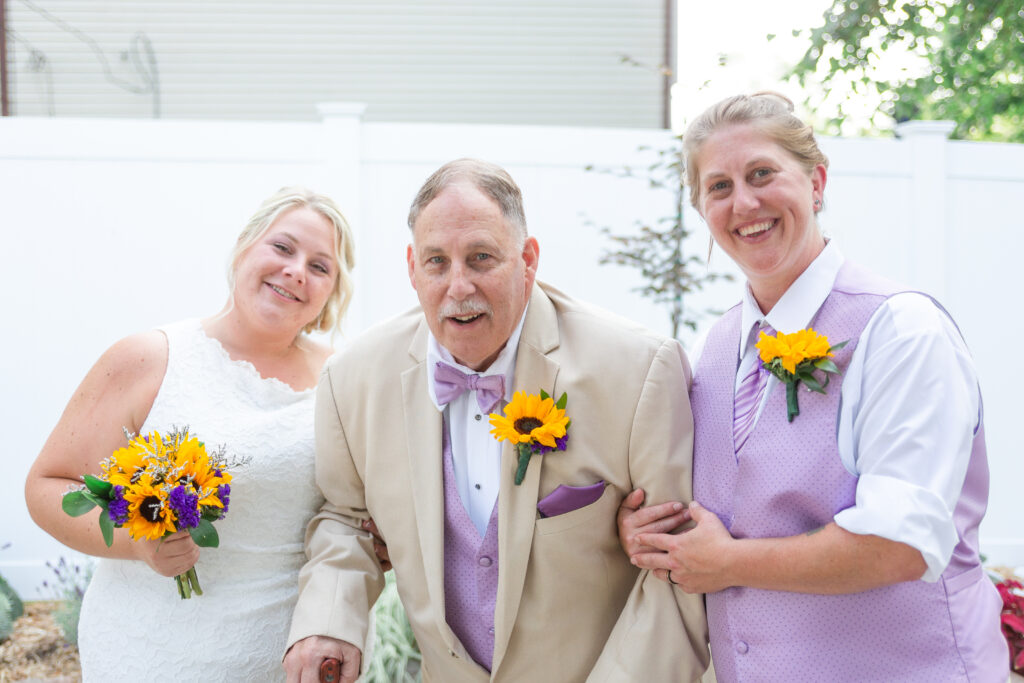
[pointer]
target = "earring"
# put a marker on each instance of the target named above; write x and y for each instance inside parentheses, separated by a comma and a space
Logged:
(817, 203)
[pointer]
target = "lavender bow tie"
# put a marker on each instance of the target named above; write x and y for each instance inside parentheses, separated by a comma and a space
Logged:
(450, 383)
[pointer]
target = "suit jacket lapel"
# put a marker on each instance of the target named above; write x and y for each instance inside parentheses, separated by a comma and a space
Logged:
(423, 426)
(517, 505)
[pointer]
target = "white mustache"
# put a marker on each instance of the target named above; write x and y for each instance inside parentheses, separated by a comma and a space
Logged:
(461, 309)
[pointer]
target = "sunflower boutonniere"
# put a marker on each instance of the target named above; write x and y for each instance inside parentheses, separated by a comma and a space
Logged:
(793, 358)
(534, 423)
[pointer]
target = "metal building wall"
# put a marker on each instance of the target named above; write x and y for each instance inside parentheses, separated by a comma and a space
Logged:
(546, 62)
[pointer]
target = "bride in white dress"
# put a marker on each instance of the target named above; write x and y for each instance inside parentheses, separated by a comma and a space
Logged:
(244, 378)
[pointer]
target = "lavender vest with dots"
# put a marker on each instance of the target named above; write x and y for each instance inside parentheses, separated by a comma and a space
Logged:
(788, 479)
(470, 570)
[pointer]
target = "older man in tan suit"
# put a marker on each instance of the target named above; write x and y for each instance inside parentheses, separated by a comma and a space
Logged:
(501, 581)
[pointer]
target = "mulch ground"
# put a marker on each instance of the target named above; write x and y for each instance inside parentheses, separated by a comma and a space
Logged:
(36, 650)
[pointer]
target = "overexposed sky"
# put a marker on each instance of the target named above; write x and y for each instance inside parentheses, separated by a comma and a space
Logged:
(735, 31)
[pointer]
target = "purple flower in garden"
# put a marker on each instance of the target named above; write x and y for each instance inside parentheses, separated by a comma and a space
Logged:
(224, 493)
(185, 506)
(118, 507)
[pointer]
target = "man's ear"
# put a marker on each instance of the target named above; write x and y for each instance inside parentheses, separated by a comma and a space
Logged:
(410, 258)
(531, 257)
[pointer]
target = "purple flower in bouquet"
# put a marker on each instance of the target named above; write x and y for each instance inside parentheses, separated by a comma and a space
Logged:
(185, 506)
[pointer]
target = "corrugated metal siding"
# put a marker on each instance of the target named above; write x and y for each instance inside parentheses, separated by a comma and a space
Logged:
(526, 61)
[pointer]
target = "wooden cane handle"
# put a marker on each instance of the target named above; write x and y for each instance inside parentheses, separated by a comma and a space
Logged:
(330, 671)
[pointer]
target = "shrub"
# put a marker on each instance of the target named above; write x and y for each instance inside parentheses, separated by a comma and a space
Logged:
(68, 586)
(396, 656)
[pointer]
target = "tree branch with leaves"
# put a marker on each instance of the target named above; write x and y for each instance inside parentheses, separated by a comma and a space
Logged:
(924, 59)
(658, 248)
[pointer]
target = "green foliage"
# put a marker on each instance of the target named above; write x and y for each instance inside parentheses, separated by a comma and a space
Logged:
(657, 249)
(6, 618)
(11, 606)
(396, 656)
(66, 617)
(966, 62)
(16, 607)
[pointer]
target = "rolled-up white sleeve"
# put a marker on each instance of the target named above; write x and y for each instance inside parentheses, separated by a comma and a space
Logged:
(910, 409)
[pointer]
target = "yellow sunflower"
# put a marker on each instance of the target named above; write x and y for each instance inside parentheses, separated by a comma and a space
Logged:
(194, 464)
(793, 349)
(123, 464)
(148, 513)
(529, 418)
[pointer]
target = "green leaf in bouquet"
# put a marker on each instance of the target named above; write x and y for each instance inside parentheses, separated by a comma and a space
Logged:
(826, 365)
(544, 395)
(107, 528)
(98, 486)
(211, 513)
(76, 503)
(838, 346)
(562, 401)
(205, 535)
(96, 500)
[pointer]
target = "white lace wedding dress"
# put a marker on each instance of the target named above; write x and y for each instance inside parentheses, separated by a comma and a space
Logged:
(134, 627)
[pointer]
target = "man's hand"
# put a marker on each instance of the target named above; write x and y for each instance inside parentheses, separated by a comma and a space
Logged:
(304, 658)
(379, 546)
(634, 520)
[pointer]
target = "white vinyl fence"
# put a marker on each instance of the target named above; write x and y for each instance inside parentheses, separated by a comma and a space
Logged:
(115, 226)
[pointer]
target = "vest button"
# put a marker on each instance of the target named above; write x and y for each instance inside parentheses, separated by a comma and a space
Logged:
(484, 561)
(491, 630)
(742, 647)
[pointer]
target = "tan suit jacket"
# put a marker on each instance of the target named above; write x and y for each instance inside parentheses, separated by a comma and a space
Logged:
(570, 606)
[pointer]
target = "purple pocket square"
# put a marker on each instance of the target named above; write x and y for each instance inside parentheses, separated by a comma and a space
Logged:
(568, 498)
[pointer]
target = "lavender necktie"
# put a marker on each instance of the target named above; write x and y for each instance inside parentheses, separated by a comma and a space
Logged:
(450, 383)
(748, 398)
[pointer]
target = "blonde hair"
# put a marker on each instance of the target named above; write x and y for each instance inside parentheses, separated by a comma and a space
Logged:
(491, 179)
(773, 115)
(286, 199)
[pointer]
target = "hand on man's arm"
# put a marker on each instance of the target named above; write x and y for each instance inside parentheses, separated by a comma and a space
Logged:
(633, 520)
(828, 560)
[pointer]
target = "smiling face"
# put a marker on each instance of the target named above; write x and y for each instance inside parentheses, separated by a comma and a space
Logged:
(758, 202)
(470, 272)
(284, 279)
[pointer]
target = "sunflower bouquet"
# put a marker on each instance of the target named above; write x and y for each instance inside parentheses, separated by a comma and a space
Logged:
(535, 424)
(155, 486)
(794, 358)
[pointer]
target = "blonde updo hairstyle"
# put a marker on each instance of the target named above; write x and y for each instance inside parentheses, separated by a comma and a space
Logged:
(286, 199)
(771, 112)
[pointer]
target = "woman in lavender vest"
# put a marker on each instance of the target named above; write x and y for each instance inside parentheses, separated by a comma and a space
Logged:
(841, 545)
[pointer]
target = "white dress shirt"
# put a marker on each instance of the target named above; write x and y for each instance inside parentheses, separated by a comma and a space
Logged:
(476, 454)
(910, 405)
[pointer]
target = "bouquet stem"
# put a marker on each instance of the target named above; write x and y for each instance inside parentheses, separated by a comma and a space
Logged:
(188, 583)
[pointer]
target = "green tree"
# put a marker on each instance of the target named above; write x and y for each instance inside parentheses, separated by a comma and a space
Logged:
(657, 248)
(924, 59)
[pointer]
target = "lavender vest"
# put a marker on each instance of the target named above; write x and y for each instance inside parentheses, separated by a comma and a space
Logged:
(470, 570)
(788, 479)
